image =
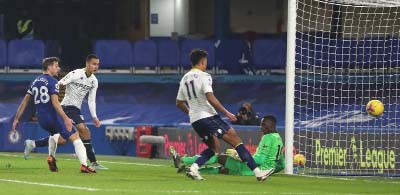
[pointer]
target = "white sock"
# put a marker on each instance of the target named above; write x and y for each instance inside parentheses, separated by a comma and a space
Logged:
(257, 172)
(53, 141)
(80, 151)
(194, 167)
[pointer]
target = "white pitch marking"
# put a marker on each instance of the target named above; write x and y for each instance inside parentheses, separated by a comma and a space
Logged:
(49, 185)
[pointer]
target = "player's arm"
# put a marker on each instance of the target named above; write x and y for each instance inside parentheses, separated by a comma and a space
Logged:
(92, 105)
(218, 106)
(70, 77)
(57, 106)
(20, 110)
(182, 106)
(181, 102)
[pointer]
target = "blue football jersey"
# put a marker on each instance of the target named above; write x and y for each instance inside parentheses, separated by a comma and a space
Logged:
(41, 89)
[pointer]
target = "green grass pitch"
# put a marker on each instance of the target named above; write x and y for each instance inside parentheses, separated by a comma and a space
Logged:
(129, 175)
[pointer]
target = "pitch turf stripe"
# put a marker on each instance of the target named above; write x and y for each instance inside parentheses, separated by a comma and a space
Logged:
(49, 185)
(111, 162)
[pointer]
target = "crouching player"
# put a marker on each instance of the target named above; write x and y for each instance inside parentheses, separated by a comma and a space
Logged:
(268, 155)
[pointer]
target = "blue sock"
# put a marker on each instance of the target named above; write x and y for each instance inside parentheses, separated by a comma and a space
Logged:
(44, 142)
(204, 156)
(246, 157)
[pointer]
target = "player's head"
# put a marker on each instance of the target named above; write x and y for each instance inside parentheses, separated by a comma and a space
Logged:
(198, 58)
(92, 63)
(50, 66)
(268, 124)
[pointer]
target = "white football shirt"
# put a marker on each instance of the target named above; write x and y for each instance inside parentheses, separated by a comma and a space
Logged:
(77, 86)
(192, 89)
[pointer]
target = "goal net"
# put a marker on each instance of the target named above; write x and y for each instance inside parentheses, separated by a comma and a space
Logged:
(346, 53)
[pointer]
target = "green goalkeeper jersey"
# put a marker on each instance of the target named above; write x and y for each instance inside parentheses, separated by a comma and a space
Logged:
(269, 152)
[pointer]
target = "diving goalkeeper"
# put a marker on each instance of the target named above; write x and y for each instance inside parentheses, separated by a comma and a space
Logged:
(268, 155)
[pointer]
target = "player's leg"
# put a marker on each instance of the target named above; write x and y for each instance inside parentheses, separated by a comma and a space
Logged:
(32, 144)
(231, 137)
(80, 150)
(84, 132)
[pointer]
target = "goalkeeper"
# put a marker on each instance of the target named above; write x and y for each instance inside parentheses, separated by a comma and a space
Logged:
(268, 155)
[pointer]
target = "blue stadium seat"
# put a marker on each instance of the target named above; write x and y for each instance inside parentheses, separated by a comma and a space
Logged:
(344, 54)
(145, 53)
(269, 54)
(25, 54)
(114, 54)
(168, 53)
(188, 45)
(229, 52)
(3, 54)
(392, 51)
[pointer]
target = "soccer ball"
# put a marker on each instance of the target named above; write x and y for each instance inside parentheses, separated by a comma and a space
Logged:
(375, 108)
(299, 159)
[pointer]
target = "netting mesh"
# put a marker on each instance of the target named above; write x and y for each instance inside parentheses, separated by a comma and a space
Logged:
(347, 53)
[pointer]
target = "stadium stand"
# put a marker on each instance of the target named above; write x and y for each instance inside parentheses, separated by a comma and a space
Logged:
(3, 56)
(116, 56)
(269, 54)
(145, 56)
(228, 54)
(168, 53)
(25, 56)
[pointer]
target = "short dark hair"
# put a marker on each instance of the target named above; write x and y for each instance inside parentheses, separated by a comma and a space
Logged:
(46, 62)
(270, 118)
(91, 56)
(196, 55)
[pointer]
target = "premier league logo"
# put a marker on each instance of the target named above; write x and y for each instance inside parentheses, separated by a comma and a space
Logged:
(14, 137)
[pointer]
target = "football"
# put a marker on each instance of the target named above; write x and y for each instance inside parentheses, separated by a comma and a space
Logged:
(375, 108)
(299, 159)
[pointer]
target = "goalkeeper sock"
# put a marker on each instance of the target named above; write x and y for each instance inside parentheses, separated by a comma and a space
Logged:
(42, 142)
(190, 160)
(204, 156)
(244, 154)
(89, 150)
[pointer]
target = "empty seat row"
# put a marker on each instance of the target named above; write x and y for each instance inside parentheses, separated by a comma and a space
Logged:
(269, 53)
(21, 53)
(376, 52)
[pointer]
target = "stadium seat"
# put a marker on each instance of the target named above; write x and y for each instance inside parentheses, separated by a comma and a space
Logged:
(3, 55)
(228, 54)
(392, 51)
(25, 55)
(145, 55)
(168, 54)
(344, 54)
(188, 45)
(269, 54)
(115, 55)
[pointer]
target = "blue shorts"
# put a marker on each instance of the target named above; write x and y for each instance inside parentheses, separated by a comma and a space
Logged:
(210, 126)
(74, 113)
(54, 124)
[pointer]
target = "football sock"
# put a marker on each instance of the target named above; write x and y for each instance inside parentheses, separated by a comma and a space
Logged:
(89, 150)
(80, 151)
(245, 155)
(42, 142)
(204, 156)
(53, 140)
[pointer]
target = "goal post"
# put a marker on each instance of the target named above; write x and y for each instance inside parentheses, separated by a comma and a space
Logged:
(340, 55)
